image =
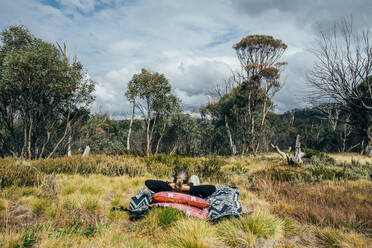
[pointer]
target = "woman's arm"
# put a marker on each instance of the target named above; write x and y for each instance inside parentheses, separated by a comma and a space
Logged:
(157, 185)
(202, 191)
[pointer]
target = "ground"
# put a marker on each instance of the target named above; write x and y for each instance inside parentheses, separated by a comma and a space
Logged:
(283, 206)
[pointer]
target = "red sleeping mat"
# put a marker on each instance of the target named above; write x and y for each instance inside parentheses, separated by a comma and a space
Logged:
(167, 196)
(188, 210)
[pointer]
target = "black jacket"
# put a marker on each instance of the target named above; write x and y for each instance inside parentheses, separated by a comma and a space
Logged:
(202, 191)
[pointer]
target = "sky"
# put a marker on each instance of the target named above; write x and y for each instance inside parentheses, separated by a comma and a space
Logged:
(189, 41)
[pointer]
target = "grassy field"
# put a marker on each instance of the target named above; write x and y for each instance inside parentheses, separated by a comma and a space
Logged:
(67, 202)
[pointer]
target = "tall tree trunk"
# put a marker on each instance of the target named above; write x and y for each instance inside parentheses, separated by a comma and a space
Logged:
(69, 153)
(130, 125)
(24, 141)
(148, 138)
(232, 145)
(251, 132)
(46, 142)
(68, 124)
(160, 138)
(29, 138)
(262, 124)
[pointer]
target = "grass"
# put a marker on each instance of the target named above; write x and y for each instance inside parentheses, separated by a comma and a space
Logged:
(243, 231)
(342, 205)
(192, 233)
(74, 208)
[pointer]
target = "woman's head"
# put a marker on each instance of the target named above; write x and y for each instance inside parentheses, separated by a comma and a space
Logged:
(181, 176)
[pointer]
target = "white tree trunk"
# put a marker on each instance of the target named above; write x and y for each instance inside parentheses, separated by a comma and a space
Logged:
(69, 153)
(232, 145)
(130, 126)
(86, 152)
(298, 154)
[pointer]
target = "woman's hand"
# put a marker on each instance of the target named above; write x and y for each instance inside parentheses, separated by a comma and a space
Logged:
(185, 187)
(172, 185)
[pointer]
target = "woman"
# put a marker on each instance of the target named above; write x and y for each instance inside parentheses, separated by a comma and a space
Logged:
(181, 183)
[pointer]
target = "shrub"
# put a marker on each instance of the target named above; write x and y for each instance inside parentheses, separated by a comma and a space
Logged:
(325, 169)
(210, 169)
(163, 165)
(310, 153)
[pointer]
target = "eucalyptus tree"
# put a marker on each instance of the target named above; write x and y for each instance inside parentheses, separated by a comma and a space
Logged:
(40, 91)
(259, 59)
(242, 103)
(149, 92)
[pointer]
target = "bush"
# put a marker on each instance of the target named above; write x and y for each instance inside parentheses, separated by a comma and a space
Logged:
(326, 169)
(309, 153)
(210, 169)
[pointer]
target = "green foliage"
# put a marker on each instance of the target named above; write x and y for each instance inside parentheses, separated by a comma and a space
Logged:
(28, 241)
(310, 153)
(151, 94)
(210, 168)
(41, 93)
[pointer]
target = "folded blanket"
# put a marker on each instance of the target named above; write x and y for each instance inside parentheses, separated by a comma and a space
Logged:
(224, 202)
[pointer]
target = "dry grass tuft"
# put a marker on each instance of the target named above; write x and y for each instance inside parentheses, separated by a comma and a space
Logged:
(243, 231)
(192, 233)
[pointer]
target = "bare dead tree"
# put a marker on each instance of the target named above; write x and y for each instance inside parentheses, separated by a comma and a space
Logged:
(297, 159)
(342, 69)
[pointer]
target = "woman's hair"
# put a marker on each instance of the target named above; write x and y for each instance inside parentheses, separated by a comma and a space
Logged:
(181, 176)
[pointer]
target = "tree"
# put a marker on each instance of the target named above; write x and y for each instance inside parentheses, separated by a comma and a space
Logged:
(170, 106)
(149, 92)
(258, 56)
(40, 91)
(342, 73)
(183, 134)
